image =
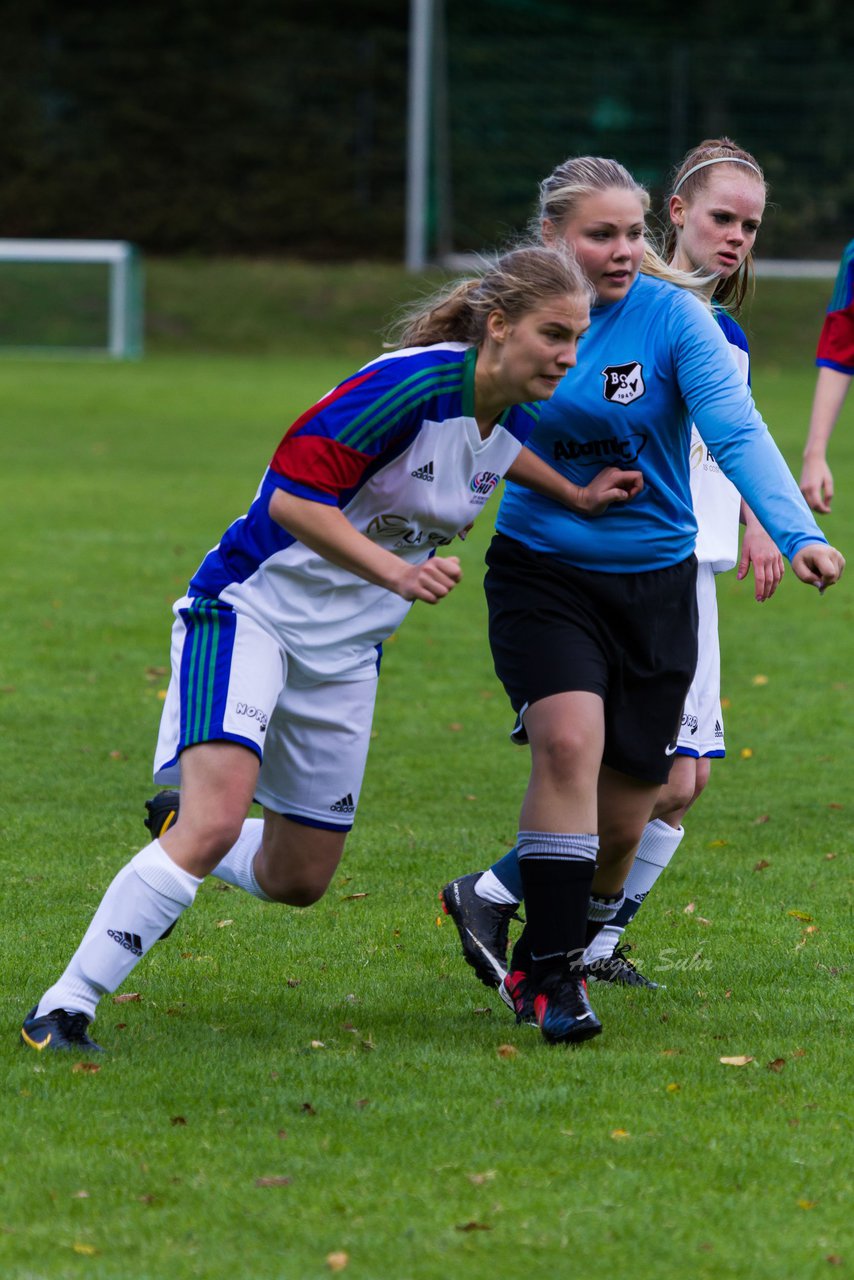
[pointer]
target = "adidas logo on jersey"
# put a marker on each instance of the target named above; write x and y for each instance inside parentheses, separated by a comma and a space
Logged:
(424, 473)
(130, 941)
(345, 804)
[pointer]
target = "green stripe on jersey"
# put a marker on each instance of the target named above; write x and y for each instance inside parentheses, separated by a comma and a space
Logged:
(374, 421)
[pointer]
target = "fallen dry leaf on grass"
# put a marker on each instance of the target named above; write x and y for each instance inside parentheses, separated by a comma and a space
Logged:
(127, 998)
(777, 1065)
(472, 1226)
(273, 1182)
(740, 1061)
(507, 1051)
(338, 1260)
(90, 1067)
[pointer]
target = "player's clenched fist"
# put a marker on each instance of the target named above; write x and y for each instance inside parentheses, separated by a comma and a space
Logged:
(818, 565)
(431, 580)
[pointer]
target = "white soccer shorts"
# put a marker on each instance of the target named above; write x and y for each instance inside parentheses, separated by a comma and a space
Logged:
(230, 682)
(702, 729)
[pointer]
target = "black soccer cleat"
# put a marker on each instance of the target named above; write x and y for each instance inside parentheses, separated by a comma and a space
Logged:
(58, 1030)
(562, 1009)
(518, 994)
(483, 927)
(618, 968)
(162, 812)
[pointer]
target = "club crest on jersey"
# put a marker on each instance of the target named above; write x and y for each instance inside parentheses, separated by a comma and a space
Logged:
(482, 485)
(624, 382)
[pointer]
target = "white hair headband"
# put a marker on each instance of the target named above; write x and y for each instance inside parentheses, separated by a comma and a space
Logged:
(717, 160)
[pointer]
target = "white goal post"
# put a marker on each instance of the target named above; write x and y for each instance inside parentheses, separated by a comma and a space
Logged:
(122, 327)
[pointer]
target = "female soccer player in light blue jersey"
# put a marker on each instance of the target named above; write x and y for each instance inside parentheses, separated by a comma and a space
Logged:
(594, 631)
(275, 647)
(715, 210)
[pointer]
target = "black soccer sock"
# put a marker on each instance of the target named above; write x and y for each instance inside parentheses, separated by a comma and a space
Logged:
(520, 957)
(557, 871)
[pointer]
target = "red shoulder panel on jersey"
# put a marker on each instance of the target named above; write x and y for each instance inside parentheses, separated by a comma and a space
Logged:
(836, 342)
(320, 463)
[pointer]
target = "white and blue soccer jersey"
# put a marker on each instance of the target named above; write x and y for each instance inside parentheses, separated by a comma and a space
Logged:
(650, 365)
(715, 499)
(396, 447)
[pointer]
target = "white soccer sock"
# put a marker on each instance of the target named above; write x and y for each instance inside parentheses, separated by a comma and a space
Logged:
(236, 866)
(490, 888)
(657, 846)
(604, 943)
(144, 899)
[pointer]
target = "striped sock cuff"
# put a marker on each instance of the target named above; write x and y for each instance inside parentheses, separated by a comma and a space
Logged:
(603, 907)
(558, 846)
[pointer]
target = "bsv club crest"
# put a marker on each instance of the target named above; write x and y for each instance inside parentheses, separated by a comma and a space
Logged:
(624, 382)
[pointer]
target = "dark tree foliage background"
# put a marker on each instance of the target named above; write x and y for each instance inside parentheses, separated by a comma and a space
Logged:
(277, 126)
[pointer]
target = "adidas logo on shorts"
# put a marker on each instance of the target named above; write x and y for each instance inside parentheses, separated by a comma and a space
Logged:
(424, 473)
(344, 805)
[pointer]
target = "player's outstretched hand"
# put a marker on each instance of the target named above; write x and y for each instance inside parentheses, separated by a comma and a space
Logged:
(818, 564)
(817, 485)
(759, 549)
(612, 484)
(432, 580)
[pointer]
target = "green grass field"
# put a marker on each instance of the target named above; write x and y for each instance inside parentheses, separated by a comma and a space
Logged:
(294, 1086)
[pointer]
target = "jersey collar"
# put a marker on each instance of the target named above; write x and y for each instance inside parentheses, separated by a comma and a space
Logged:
(469, 362)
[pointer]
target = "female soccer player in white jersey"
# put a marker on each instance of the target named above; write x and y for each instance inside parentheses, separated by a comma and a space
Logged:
(275, 647)
(715, 210)
(599, 684)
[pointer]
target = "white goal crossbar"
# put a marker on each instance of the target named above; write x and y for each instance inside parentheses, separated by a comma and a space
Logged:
(124, 337)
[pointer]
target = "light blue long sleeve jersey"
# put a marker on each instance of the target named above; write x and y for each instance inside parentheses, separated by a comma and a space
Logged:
(649, 365)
